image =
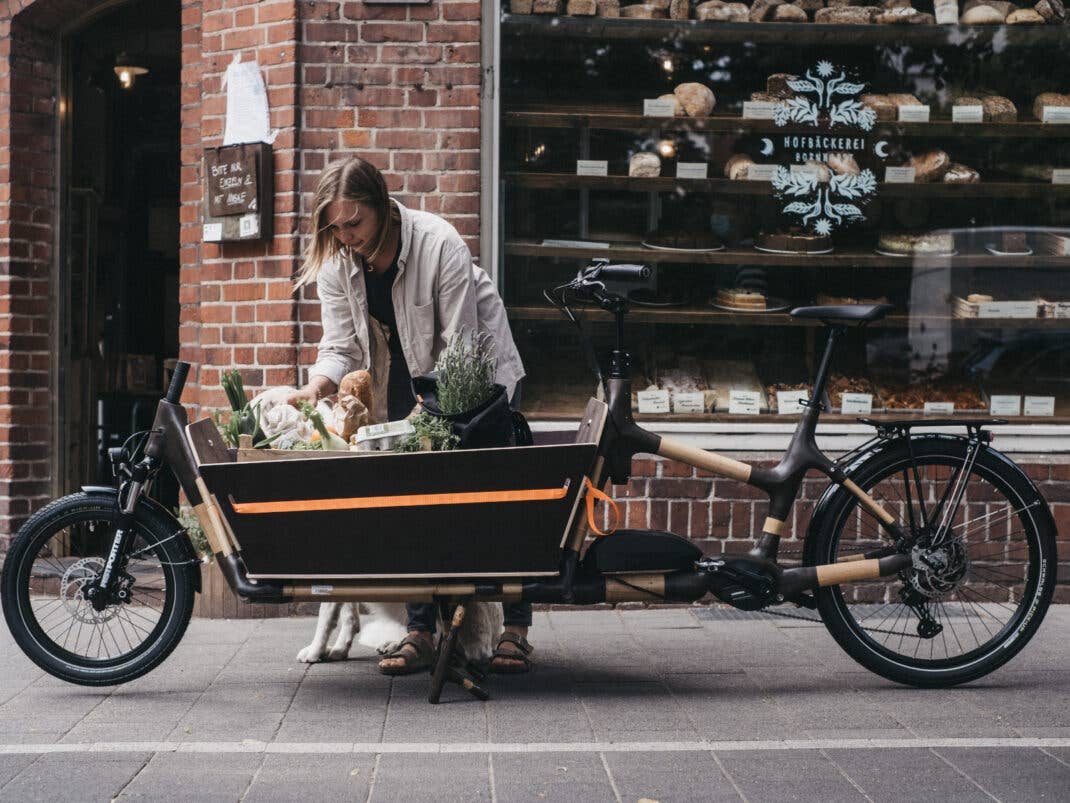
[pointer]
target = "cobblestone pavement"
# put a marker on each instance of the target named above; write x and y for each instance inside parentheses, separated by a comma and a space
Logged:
(668, 705)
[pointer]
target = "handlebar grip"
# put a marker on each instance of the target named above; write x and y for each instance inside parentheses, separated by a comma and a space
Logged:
(178, 382)
(633, 273)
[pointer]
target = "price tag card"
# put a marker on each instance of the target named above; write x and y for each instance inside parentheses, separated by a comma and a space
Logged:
(913, 114)
(1005, 405)
(761, 172)
(212, 232)
(655, 107)
(968, 114)
(805, 169)
(1056, 114)
(744, 402)
(694, 402)
(1007, 309)
(940, 408)
(899, 175)
(758, 109)
(861, 403)
(1039, 405)
(592, 167)
(789, 402)
(653, 401)
(1060, 175)
(692, 170)
(1058, 309)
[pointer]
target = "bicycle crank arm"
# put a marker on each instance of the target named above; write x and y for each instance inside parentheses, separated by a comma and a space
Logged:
(792, 581)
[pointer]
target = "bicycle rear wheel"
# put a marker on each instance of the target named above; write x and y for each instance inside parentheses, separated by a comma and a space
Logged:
(964, 607)
(59, 553)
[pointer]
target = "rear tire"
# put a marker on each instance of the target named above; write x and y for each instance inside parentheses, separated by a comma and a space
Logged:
(989, 600)
(57, 552)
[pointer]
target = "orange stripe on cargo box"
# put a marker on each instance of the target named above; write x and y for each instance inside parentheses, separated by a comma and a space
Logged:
(405, 500)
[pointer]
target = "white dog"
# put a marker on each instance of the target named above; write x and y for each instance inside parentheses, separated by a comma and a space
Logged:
(385, 627)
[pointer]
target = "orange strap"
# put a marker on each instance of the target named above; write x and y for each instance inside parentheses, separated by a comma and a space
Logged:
(407, 500)
(592, 494)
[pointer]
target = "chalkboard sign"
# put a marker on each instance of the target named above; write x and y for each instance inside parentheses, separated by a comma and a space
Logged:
(239, 195)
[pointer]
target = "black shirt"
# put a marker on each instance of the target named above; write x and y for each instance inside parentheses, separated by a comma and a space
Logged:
(381, 303)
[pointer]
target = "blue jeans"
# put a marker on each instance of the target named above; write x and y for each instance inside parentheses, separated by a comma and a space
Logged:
(422, 614)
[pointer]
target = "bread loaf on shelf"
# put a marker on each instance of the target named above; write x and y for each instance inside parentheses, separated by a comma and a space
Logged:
(581, 8)
(846, 15)
(644, 165)
(736, 167)
(680, 9)
(1048, 99)
(719, 11)
(904, 15)
(789, 13)
(697, 99)
(1025, 16)
(608, 8)
(677, 107)
(961, 174)
(983, 15)
(547, 6)
(520, 6)
(930, 167)
(642, 11)
(998, 109)
(762, 10)
(1053, 11)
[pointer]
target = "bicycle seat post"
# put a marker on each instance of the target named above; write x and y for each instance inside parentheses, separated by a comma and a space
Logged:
(821, 377)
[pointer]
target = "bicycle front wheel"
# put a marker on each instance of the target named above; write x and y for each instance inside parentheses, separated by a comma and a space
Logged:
(59, 553)
(969, 601)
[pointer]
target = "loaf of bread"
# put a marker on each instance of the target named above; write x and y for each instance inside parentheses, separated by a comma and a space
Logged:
(581, 8)
(904, 15)
(520, 6)
(961, 174)
(885, 108)
(359, 384)
(1048, 99)
(777, 85)
(644, 165)
(998, 109)
(608, 8)
(843, 164)
(642, 11)
(788, 13)
(736, 167)
(930, 167)
(677, 108)
(1053, 11)
(1025, 16)
(680, 9)
(846, 15)
(809, 6)
(697, 99)
(983, 15)
(719, 11)
(762, 10)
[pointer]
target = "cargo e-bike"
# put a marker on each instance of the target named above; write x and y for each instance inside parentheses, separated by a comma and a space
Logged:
(930, 557)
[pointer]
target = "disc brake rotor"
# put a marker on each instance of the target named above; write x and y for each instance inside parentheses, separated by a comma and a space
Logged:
(938, 572)
(76, 579)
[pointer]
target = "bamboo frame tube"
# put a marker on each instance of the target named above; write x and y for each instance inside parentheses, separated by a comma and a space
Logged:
(700, 458)
(869, 503)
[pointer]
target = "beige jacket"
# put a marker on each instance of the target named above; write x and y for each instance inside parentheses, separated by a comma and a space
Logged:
(438, 291)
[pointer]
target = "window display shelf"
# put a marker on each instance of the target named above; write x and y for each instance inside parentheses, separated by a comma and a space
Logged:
(635, 252)
(799, 34)
(622, 118)
(723, 186)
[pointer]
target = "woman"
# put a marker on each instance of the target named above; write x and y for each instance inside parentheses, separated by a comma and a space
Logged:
(402, 282)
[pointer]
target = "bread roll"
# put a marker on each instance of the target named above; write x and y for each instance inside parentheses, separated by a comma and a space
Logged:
(982, 15)
(677, 109)
(697, 99)
(546, 6)
(968, 100)
(843, 164)
(884, 106)
(680, 9)
(643, 11)
(978, 298)
(644, 165)
(1025, 16)
(608, 8)
(777, 85)
(789, 13)
(961, 174)
(1004, 7)
(581, 8)
(845, 15)
(998, 109)
(520, 6)
(1048, 99)
(929, 167)
(762, 10)
(809, 6)
(904, 15)
(736, 167)
(1051, 10)
(359, 384)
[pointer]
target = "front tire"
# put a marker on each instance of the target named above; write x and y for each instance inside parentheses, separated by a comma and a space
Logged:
(58, 552)
(995, 578)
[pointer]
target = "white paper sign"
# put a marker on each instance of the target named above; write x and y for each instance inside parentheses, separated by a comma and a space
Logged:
(212, 232)
(861, 403)
(1056, 114)
(654, 107)
(1005, 405)
(744, 402)
(1039, 405)
(758, 109)
(913, 114)
(1007, 309)
(788, 402)
(692, 170)
(592, 167)
(694, 402)
(248, 226)
(1060, 175)
(968, 114)
(940, 408)
(247, 105)
(761, 172)
(653, 401)
(899, 175)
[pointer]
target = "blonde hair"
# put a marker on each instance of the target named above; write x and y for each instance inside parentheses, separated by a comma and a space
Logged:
(349, 179)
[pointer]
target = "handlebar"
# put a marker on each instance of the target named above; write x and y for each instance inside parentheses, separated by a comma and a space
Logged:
(623, 273)
(178, 382)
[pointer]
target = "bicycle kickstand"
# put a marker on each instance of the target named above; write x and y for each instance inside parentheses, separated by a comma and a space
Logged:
(451, 665)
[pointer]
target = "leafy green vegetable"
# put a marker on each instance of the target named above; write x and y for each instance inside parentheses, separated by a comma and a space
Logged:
(465, 372)
(431, 434)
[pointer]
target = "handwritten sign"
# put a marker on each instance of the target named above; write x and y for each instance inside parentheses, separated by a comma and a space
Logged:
(232, 180)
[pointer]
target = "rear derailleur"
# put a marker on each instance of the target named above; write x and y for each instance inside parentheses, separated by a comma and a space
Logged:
(927, 626)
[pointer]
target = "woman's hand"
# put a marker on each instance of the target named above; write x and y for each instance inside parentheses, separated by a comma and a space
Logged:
(316, 389)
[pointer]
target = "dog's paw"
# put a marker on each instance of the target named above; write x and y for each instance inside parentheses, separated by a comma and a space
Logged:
(310, 655)
(337, 653)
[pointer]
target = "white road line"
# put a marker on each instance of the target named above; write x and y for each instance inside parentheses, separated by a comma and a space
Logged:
(374, 748)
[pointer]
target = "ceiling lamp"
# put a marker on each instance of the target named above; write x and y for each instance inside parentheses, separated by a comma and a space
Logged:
(127, 71)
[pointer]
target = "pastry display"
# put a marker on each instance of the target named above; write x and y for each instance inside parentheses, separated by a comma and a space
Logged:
(930, 167)
(728, 375)
(793, 242)
(897, 396)
(970, 307)
(697, 99)
(781, 387)
(961, 174)
(887, 106)
(911, 244)
(741, 299)
(644, 165)
(839, 384)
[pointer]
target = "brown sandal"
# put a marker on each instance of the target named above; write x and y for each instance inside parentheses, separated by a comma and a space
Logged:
(522, 655)
(422, 660)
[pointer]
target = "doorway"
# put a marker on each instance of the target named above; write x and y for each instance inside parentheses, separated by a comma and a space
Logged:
(118, 289)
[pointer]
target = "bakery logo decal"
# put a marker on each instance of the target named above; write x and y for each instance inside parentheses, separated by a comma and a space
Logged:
(830, 189)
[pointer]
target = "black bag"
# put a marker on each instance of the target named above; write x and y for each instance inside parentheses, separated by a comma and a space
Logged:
(486, 426)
